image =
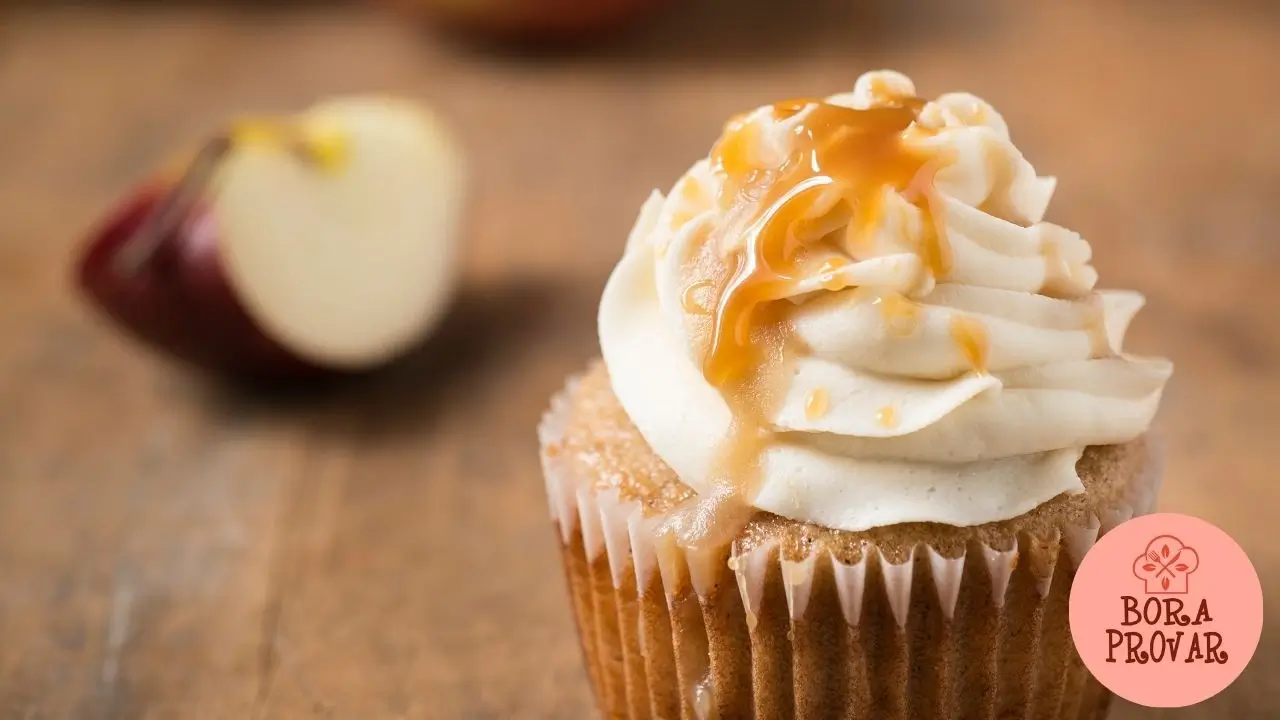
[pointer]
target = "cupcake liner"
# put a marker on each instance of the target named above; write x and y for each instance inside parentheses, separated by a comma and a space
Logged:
(669, 632)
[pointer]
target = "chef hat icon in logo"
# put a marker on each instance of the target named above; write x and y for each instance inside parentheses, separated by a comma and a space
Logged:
(1166, 566)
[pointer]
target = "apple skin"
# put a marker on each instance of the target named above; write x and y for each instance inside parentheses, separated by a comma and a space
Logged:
(537, 21)
(179, 300)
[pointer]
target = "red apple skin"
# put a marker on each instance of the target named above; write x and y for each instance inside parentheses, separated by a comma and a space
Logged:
(539, 21)
(179, 301)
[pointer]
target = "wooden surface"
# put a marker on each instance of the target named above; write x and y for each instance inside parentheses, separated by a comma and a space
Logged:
(173, 549)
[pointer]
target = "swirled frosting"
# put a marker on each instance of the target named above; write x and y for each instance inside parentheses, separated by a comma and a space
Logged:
(866, 284)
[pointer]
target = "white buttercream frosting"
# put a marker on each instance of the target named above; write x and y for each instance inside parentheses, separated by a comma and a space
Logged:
(885, 416)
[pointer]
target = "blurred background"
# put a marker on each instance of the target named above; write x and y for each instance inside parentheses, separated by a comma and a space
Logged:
(173, 547)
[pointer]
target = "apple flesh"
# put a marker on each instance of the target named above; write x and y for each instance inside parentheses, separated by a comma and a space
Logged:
(316, 244)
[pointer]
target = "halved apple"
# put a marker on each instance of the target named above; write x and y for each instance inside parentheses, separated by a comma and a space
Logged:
(315, 243)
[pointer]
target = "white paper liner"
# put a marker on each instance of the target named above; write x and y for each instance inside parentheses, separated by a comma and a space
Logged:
(1000, 566)
(797, 581)
(615, 524)
(561, 488)
(750, 568)
(618, 528)
(947, 573)
(850, 587)
(897, 585)
(704, 698)
(633, 547)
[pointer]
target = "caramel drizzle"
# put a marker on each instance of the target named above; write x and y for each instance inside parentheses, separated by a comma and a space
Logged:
(769, 229)
(816, 403)
(827, 274)
(689, 298)
(901, 316)
(971, 337)
(857, 153)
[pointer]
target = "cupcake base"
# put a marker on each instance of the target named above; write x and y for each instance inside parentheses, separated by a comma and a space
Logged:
(651, 654)
(794, 622)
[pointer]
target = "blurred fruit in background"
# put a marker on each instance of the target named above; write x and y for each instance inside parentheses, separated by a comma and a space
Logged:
(323, 242)
(538, 21)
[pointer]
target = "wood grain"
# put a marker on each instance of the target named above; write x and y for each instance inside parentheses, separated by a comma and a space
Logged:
(174, 549)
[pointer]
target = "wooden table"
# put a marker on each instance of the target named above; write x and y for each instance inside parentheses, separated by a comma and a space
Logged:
(173, 549)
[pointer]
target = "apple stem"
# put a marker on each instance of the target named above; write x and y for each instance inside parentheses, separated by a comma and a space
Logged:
(138, 249)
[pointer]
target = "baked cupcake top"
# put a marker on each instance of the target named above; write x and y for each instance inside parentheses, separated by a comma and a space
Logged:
(853, 314)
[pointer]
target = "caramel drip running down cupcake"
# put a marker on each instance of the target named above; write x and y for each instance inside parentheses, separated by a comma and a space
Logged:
(840, 162)
(827, 188)
(880, 251)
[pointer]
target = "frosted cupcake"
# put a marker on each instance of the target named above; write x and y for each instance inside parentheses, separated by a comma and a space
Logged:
(860, 413)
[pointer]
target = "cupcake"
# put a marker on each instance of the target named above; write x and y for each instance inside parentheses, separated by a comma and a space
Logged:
(860, 413)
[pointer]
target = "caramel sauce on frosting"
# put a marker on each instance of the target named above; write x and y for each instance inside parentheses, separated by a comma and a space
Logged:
(971, 337)
(775, 215)
(690, 300)
(856, 153)
(901, 316)
(816, 403)
(811, 305)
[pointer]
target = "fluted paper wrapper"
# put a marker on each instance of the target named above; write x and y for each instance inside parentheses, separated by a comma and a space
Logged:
(672, 633)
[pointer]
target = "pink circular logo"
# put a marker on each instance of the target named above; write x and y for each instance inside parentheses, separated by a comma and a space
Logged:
(1166, 610)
